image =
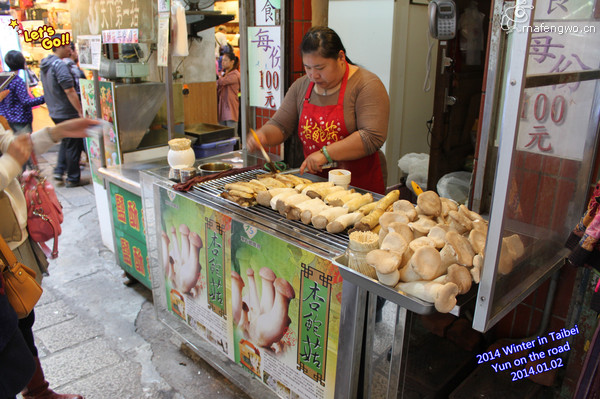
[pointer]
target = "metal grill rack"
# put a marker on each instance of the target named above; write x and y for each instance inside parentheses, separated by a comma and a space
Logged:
(333, 244)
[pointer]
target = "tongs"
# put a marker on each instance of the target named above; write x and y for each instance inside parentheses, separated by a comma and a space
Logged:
(269, 163)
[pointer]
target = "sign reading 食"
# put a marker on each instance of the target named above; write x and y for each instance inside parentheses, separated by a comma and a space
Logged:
(265, 11)
(264, 66)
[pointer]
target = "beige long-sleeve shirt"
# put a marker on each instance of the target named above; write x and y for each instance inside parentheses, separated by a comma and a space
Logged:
(366, 108)
(10, 169)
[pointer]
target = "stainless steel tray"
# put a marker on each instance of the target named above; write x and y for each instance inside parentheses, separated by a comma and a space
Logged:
(408, 302)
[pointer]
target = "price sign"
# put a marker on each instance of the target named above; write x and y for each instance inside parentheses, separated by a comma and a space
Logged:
(554, 119)
(264, 66)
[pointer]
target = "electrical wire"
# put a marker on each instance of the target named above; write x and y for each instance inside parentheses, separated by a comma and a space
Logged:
(429, 125)
(427, 83)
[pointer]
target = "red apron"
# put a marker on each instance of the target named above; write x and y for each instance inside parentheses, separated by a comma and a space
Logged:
(322, 125)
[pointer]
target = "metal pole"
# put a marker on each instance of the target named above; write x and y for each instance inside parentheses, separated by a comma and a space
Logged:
(368, 348)
(245, 16)
(352, 319)
(401, 334)
(169, 81)
(97, 95)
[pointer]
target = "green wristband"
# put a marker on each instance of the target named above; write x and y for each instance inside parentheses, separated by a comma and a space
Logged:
(324, 152)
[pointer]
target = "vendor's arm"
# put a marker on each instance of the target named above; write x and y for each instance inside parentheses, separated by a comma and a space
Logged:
(282, 125)
(372, 108)
(269, 135)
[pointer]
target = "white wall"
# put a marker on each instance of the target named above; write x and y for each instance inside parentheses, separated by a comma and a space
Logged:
(365, 27)
(389, 38)
(411, 106)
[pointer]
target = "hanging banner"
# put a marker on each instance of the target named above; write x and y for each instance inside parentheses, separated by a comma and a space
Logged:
(164, 6)
(266, 11)
(89, 49)
(264, 66)
(163, 41)
(104, 150)
(120, 36)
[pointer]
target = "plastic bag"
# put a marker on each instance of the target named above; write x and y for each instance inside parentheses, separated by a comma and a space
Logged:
(416, 165)
(455, 185)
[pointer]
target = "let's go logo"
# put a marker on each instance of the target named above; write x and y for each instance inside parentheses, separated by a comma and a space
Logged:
(43, 34)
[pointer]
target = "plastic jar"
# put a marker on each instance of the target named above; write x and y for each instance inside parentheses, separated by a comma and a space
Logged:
(340, 177)
(359, 245)
(181, 155)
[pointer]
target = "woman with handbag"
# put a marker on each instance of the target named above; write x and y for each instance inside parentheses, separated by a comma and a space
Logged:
(16, 150)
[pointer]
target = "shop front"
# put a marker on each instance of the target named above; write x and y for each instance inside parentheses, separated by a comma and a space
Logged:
(272, 302)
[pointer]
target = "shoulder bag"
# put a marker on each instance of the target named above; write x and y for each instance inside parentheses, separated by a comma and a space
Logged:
(21, 289)
(44, 211)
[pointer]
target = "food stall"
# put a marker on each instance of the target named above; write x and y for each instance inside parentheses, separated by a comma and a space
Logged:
(213, 258)
(211, 263)
(234, 244)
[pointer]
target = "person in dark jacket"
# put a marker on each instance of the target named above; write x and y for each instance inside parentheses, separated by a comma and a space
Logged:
(63, 104)
(16, 361)
(72, 62)
(16, 107)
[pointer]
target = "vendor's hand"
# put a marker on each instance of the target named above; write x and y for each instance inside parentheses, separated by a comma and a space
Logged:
(251, 143)
(74, 128)
(313, 163)
(3, 94)
(20, 148)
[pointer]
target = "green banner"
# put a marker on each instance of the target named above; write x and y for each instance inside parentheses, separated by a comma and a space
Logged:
(215, 258)
(313, 321)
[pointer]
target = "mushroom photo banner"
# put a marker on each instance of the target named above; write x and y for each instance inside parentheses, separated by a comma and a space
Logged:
(286, 304)
(268, 305)
(194, 256)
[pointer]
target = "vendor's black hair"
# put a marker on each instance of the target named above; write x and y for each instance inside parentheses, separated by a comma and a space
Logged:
(324, 41)
(15, 60)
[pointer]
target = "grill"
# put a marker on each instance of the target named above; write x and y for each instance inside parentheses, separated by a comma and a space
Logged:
(306, 235)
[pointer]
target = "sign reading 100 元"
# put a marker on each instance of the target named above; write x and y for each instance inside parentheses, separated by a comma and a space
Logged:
(264, 66)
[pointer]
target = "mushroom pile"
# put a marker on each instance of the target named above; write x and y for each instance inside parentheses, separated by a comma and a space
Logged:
(434, 250)
(245, 193)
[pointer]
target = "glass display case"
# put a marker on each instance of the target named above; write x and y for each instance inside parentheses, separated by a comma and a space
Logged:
(542, 113)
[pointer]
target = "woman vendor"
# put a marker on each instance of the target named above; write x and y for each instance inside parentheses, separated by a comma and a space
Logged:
(339, 109)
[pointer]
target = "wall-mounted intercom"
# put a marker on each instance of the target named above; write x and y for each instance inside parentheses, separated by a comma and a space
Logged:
(442, 19)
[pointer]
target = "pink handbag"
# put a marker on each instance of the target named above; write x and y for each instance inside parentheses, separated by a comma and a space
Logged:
(44, 211)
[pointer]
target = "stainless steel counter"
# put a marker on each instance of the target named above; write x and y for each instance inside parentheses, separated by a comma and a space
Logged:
(128, 175)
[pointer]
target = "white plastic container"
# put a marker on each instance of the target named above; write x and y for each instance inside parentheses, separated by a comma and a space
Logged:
(340, 177)
(181, 155)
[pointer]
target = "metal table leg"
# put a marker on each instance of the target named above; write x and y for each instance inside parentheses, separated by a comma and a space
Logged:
(368, 346)
(352, 319)
(398, 363)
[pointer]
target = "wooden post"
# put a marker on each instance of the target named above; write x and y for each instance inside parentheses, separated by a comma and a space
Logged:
(320, 12)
